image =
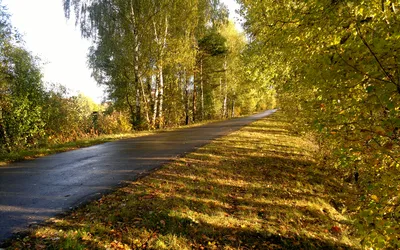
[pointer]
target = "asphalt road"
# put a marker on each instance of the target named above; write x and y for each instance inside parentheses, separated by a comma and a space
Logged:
(34, 191)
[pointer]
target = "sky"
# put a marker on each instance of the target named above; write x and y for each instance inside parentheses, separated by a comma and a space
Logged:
(48, 35)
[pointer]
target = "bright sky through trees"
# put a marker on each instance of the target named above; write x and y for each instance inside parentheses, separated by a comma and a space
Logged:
(59, 44)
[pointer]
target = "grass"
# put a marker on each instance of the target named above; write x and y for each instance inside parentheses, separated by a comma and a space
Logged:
(258, 188)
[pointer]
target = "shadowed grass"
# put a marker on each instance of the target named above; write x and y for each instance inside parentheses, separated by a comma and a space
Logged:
(258, 188)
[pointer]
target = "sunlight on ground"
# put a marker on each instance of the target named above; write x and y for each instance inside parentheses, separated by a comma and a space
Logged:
(258, 188)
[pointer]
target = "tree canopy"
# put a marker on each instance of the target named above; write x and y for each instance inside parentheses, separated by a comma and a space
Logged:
(167, 62)
(335, 67)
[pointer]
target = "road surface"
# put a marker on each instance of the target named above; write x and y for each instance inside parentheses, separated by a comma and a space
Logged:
(36, 190)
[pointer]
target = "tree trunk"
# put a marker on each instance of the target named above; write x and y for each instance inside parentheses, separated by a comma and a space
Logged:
(136, 64)
(194, 97)
(225, 102)
(146, 102)
(221, 98)
(233, 105)
(201, 89)
(186, 78)
(155, 102)
(138, 111)
(162, 44)
(225, 106)
(161, 97)
(131, 109)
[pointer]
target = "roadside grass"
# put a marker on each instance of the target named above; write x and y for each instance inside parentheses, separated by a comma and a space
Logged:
(257, 188)
(49, 149)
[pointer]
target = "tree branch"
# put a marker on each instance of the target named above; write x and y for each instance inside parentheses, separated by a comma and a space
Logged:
(376, 58)
(360, 71)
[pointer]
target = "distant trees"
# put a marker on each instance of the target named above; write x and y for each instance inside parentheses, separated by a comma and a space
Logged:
(165, 62)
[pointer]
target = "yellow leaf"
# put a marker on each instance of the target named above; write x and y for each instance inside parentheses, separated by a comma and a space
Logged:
(375, 198)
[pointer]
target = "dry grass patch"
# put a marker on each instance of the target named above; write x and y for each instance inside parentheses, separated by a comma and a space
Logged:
(258, 188)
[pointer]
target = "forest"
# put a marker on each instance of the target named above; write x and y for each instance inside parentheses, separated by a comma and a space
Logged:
(331, 66)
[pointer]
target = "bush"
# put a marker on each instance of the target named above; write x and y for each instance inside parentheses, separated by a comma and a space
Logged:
(113, 123)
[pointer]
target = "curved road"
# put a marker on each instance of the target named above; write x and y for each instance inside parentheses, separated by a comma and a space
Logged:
(34, 191)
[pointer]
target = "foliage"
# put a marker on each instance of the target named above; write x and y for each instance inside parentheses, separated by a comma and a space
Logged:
(165, 63)
(21, 91)
(114, 123)
(335, 67)
(66, 118)
(33, 115)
